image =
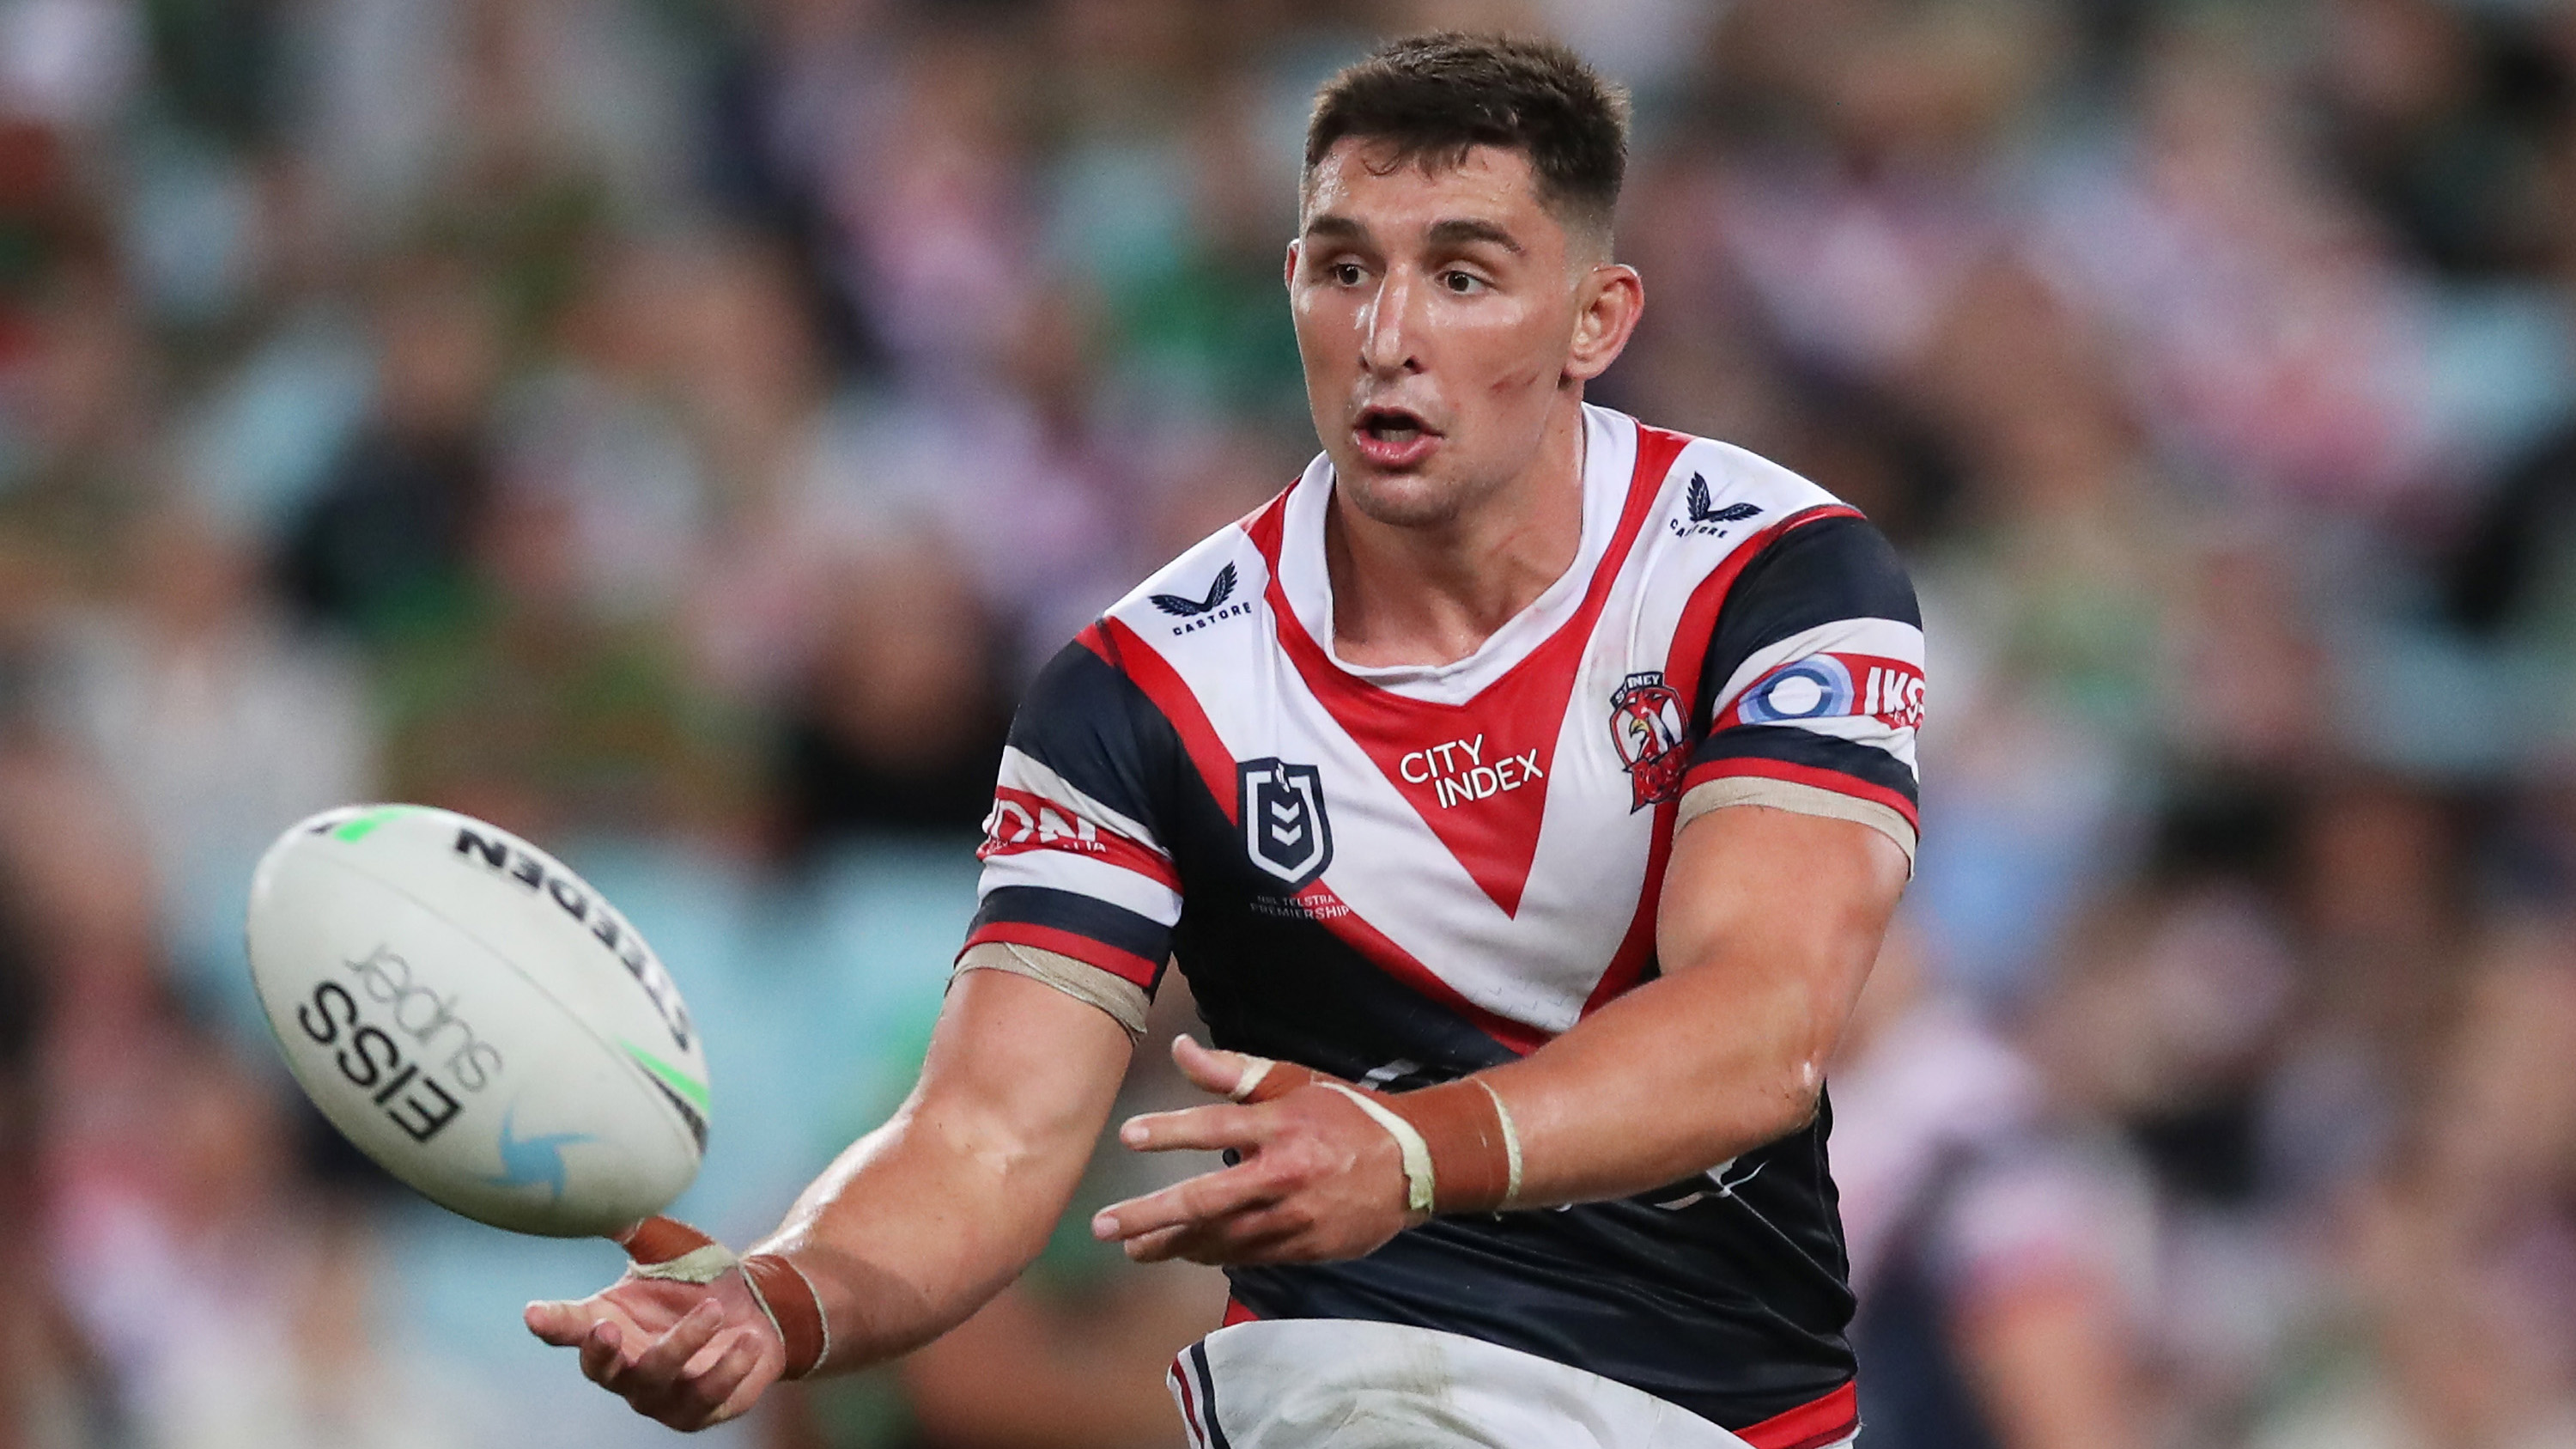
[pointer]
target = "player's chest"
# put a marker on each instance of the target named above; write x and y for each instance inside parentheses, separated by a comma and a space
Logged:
(1514, 827)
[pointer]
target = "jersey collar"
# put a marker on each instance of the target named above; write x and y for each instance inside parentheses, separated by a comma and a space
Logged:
(1609, 458)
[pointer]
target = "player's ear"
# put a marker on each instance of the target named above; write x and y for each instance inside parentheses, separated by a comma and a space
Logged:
(1288, 273)
(1608, 302)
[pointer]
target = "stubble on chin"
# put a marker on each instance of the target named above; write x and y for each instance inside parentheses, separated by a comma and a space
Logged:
(1408, 501)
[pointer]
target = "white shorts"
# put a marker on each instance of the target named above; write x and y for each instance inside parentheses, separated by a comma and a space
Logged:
(1308, 1383)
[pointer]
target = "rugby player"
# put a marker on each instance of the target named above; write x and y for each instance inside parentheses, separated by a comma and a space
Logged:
(1523, 792)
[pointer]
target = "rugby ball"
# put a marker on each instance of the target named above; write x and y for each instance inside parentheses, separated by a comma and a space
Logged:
(477, 1019)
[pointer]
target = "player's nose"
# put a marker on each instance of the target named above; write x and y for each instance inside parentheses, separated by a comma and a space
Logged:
(1389, 328)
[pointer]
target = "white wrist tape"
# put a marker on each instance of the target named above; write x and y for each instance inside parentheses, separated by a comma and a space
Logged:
(699, 1265)
(1417, 1153)
(1511, 1142)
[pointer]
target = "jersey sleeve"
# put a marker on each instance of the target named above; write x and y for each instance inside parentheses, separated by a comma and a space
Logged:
(1075, 868)
(1813, 684)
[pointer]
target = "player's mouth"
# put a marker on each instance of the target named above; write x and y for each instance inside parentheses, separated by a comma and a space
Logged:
(1394, 438)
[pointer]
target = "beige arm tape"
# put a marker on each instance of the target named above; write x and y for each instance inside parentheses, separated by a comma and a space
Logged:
(1797, 799)
(1418, 1182)
(1124, 1000)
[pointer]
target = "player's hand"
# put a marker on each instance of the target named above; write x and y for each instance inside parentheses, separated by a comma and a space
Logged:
(1316, 1180)
(682, 1354)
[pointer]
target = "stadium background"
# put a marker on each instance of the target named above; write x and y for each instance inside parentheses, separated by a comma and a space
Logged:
(674, 428)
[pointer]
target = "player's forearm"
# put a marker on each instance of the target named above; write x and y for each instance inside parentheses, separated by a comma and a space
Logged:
(920, 1222)
(906, 1235)
(1726, 1051)
(1674, 1078)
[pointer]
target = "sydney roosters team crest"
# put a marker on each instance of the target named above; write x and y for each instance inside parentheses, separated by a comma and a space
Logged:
(1650, 725)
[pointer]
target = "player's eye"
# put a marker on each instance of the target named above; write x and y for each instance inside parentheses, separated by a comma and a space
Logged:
(1462, 283)
(1345, 273)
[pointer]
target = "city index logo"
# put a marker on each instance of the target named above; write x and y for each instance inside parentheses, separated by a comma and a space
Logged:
(1458, 771)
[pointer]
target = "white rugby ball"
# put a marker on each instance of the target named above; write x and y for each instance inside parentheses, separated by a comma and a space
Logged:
(477, 1019)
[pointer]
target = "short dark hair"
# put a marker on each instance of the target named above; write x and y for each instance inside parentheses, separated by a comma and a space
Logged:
(1438, 96)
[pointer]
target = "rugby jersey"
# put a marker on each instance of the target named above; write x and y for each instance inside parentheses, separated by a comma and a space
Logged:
(1400, 875)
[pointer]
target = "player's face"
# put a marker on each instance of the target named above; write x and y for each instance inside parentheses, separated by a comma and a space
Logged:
(1446, 318)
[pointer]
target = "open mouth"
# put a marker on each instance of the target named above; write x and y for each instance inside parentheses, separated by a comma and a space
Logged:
(1394, 427)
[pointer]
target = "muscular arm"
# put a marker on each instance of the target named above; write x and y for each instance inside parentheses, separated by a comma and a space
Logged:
(1767, 926)
(1766, 931)
(918, 1223)
(911, 1230)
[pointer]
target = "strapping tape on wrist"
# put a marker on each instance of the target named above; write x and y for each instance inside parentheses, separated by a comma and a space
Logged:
(672, 1251)
(1462, 1152)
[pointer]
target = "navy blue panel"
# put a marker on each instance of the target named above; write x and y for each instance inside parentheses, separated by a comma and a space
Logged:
(1092, 726)
(1083, 915)
(1817, 574)
(1794, 746)
(1270, 980)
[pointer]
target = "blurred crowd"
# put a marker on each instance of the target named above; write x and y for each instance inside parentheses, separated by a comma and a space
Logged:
(674, 429)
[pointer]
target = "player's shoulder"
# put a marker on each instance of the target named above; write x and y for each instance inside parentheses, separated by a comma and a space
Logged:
(1716, 491)
(1721, 510)
(1215, 583)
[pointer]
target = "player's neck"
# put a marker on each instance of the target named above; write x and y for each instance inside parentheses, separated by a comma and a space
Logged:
(1432, 596)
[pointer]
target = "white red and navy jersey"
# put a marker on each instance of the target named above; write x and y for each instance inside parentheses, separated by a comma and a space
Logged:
(1402, 875)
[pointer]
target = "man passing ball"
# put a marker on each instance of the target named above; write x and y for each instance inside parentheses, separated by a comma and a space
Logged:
(1524, 793)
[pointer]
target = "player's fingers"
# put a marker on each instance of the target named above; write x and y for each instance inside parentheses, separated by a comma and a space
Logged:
(1153, 1247)
(755, 1382)
(1246, 1079)
(1228, 1074)
(662, 1360)
(1207, 1129)
(599, 1352)
(562, 1324)
(1261, 1235)
(709, 1382)
(1208, 1195)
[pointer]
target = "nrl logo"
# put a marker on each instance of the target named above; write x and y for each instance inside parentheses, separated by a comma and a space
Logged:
(1284, 827)
(1649, 725)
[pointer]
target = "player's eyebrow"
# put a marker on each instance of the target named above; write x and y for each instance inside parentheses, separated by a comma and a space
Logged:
(1461, 231)
(1330, 227)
